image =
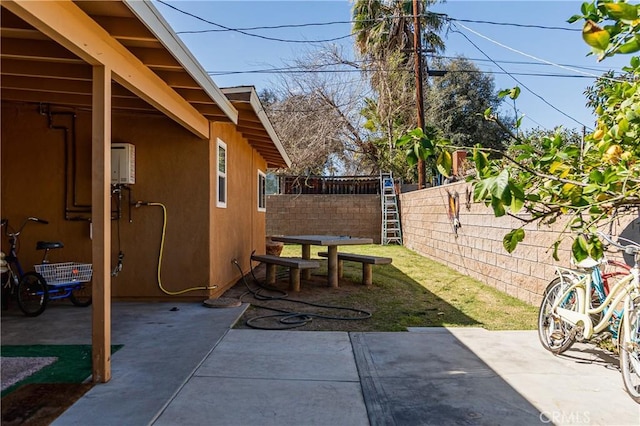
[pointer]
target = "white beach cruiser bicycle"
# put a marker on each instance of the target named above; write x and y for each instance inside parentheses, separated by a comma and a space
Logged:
(575, 307)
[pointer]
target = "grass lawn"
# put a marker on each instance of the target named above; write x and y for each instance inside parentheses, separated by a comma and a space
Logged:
(411, 292)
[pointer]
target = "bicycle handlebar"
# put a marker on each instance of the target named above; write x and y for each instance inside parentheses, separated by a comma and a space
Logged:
(632, 248)
(5, 222)
(36, 219)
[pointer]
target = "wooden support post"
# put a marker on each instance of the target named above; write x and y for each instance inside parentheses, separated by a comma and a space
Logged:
(367, 274)
(306, 254)
(340, 268)
(101, 222)
(271, 273)
(332, 267)
(294, 279)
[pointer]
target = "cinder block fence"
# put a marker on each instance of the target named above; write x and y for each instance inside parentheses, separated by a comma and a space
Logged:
(477, 250)
(356, 215)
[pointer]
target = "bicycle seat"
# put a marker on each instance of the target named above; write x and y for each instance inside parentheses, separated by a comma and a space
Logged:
(46, 245)
(587, 263)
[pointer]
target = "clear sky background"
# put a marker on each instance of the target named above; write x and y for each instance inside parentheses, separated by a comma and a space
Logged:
(554, 97)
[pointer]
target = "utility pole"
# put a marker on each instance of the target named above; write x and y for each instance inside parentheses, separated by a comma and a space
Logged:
(417, 50)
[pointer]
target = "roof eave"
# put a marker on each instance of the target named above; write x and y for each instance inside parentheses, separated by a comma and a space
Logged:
(255, 103)
(153, 19)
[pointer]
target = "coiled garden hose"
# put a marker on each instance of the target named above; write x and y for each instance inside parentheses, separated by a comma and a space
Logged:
(289, 319)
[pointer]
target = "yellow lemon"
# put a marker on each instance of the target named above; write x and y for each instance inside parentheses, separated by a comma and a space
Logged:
(612, 156)
(598, 134)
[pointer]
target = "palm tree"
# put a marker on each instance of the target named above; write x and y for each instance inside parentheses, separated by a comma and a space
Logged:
(384, 39)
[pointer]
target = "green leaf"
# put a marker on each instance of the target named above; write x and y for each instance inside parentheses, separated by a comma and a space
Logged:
(629, 47)
(519, 121)
(579, 248)
(503, 93)
(555, 250)
(517, 198)
(498, 207)
(444, 163)
(621, 11)
(596, 176)
(595, 36)
(590, 189)
(480, 159)
(481, 189)
(500, 188)
(511, 240)
(597, 249)
(412, 160)
(574, 18)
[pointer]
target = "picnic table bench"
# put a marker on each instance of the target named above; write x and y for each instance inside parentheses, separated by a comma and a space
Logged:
(295, 264)
(366, 260)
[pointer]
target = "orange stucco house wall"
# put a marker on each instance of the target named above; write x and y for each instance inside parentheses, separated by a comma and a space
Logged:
(173, 168)
(163, 103)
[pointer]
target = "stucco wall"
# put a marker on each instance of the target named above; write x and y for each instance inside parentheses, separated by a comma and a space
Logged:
(478, 251)
(173, 167)
(355, 215)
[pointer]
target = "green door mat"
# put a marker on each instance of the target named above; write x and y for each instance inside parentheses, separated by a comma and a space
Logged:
(72, 363)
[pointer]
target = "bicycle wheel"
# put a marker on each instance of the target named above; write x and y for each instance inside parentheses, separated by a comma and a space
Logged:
(32, 294)
(555, 334)
(630, 354)
(81, 295)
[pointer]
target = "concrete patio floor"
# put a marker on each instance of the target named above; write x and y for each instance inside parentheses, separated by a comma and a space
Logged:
(182, 364)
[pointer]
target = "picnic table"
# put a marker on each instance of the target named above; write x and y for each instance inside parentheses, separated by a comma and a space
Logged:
(331, 242)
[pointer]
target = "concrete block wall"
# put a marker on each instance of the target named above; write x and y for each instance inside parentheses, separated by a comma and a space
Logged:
(477, 251)
(309, 214)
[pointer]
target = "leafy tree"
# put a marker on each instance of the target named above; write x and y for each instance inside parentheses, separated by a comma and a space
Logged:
(588, 184)
(453, 103)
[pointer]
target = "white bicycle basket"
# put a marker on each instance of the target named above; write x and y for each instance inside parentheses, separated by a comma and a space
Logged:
(65, 273)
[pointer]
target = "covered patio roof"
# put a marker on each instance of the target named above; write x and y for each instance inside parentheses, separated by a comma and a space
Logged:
(49, 48)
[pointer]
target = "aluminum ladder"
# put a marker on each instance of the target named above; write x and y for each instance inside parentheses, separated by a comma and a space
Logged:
(391, 233)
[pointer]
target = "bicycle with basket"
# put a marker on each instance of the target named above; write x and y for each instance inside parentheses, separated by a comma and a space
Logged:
(49, 281)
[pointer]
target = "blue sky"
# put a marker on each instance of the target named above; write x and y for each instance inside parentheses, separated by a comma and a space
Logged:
(541, 98)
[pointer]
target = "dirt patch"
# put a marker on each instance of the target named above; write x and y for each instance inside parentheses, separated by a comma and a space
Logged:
(40, 403)
(317, 307)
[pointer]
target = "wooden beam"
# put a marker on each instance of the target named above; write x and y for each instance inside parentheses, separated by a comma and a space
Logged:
(54, 85)
(41, 50)
(84, 100)
(65, 23)
(101, 222)
(126, 28)
(25, 67)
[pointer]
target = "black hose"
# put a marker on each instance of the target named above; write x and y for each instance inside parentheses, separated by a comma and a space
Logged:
(289, 319)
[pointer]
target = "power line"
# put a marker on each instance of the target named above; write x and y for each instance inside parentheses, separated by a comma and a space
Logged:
(531, 56)
(250, 34)
(338, 71)
(510, 24)
(223, 28)
(520, 83)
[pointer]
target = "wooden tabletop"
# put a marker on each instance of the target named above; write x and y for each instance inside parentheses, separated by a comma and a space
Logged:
(322, 240)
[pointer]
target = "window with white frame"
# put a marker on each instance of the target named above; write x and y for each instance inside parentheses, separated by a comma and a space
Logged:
(262, 191)
(222, 174)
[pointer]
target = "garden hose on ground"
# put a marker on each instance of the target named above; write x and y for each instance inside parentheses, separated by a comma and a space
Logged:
(289, 319)
(164, 229)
